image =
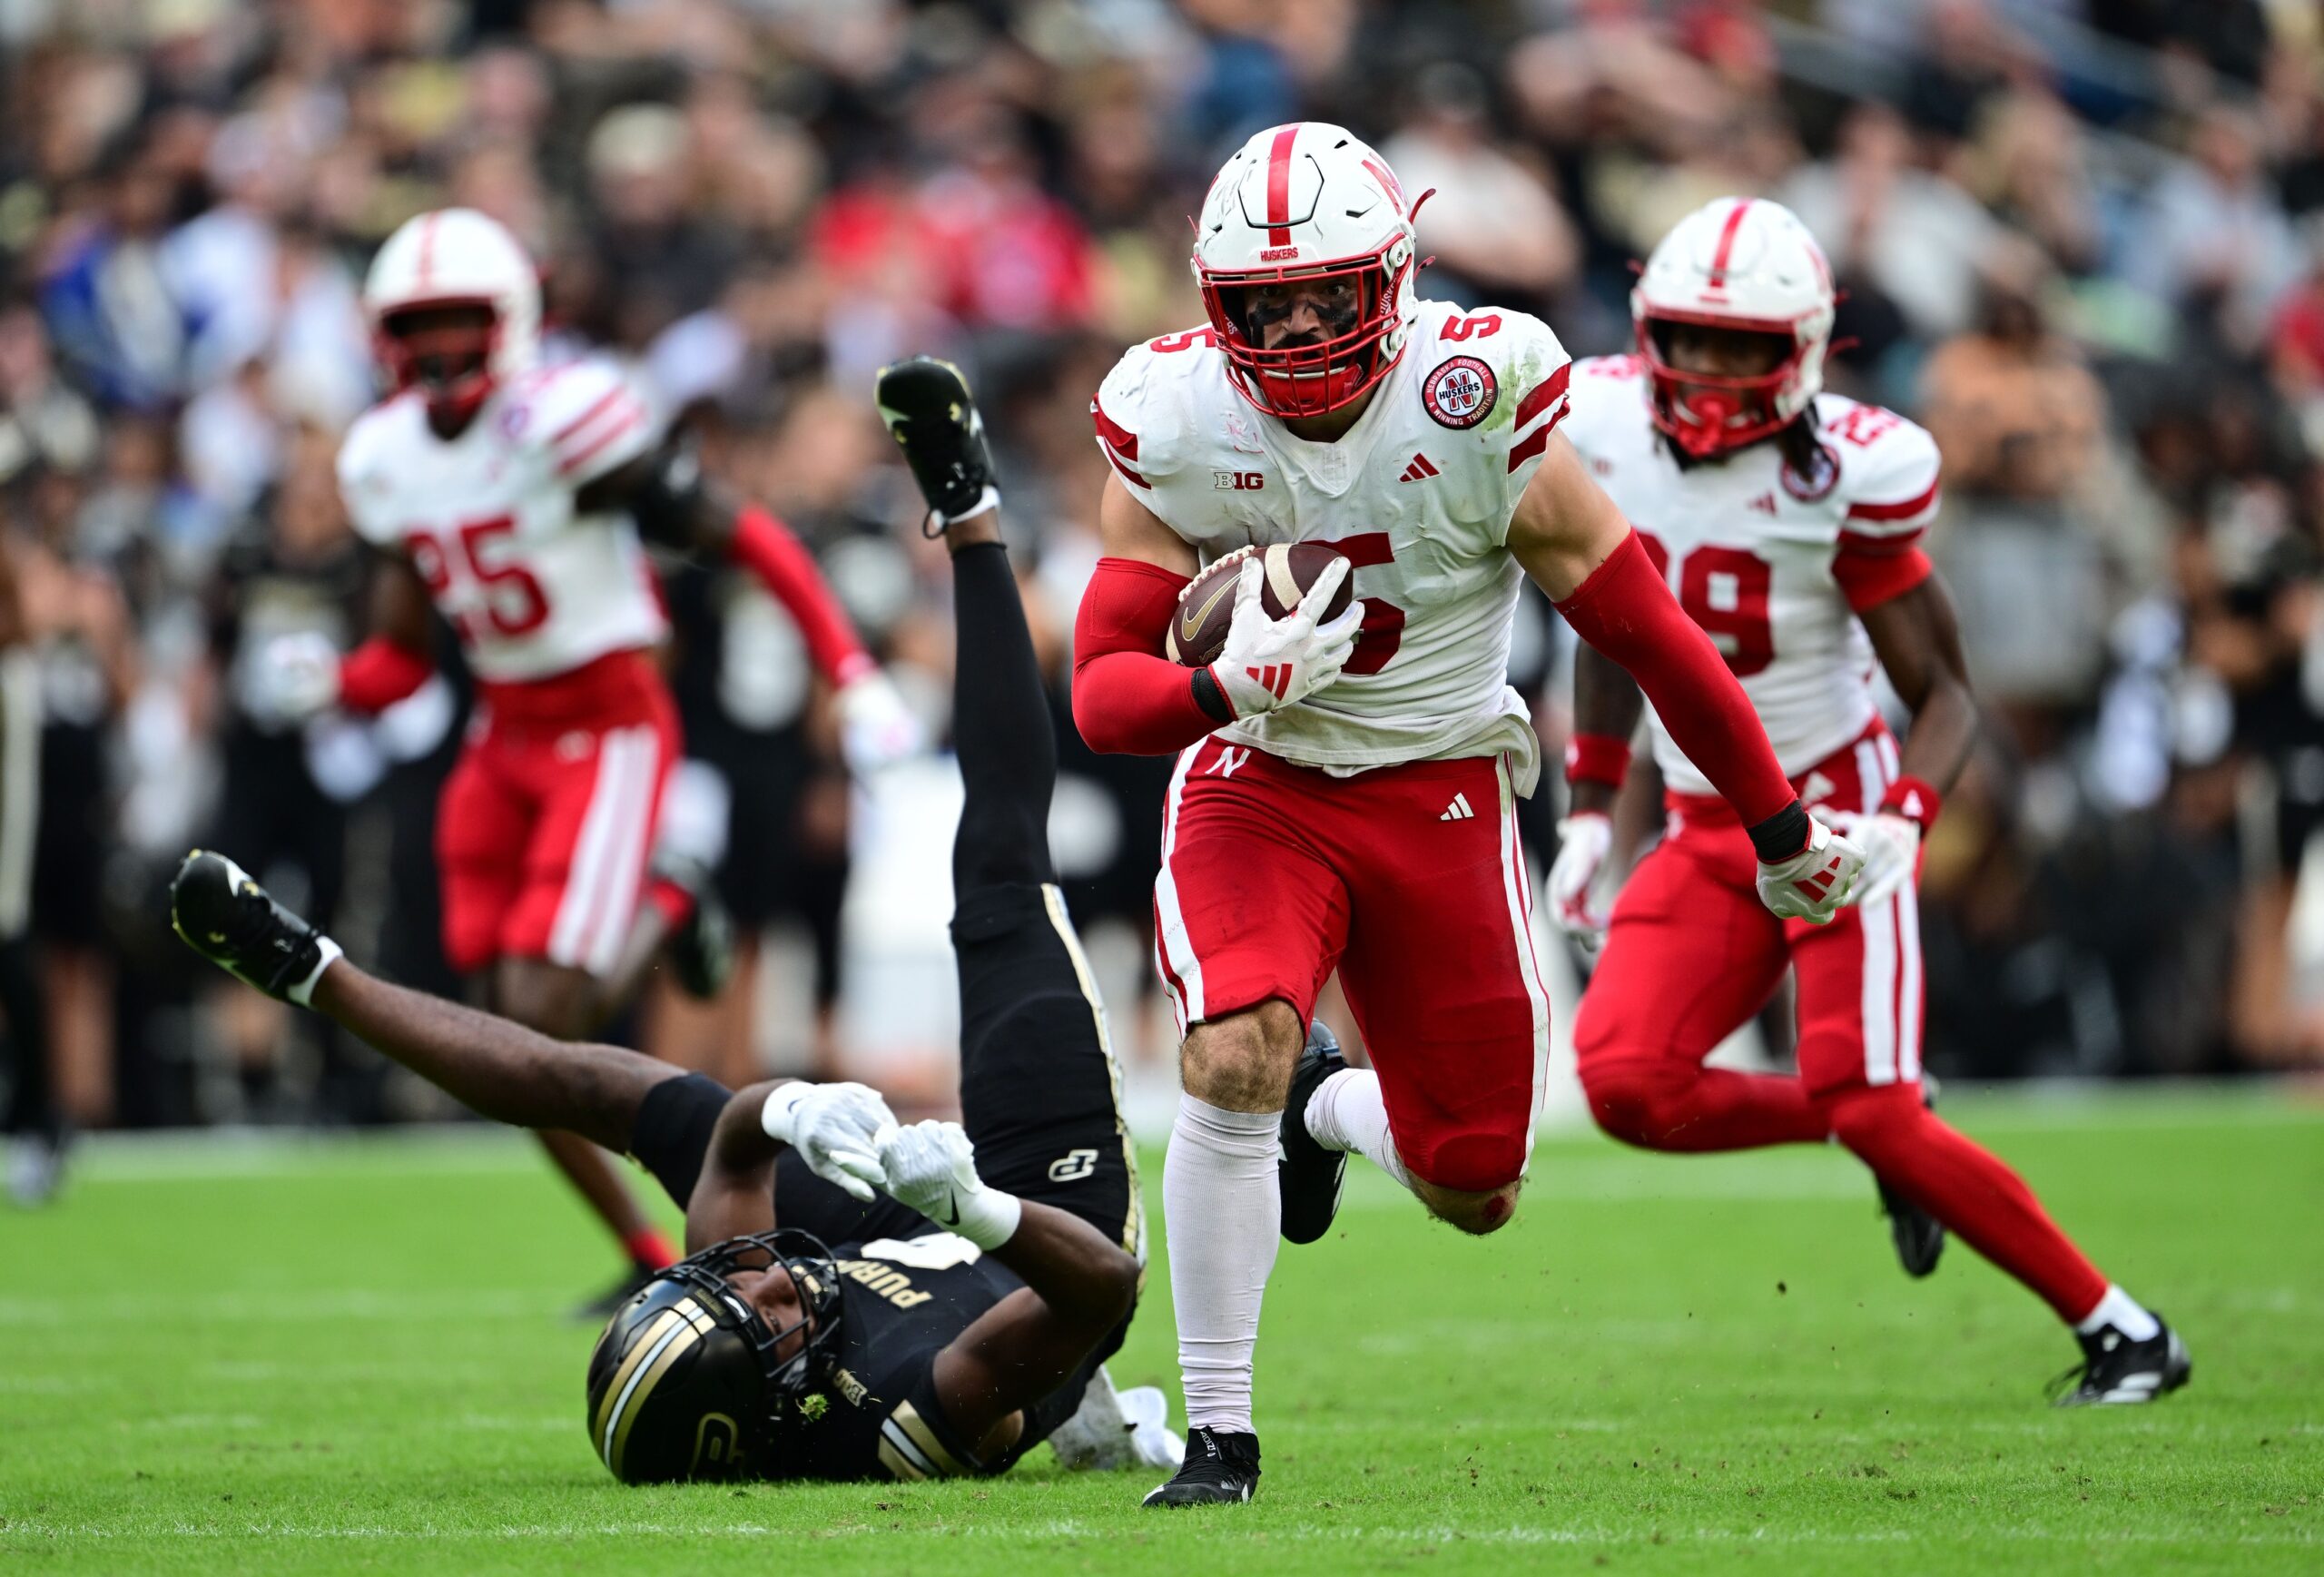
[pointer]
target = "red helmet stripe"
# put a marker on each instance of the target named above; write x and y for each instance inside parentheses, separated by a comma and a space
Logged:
(1380, 172)
(1726, 247)
(428, 247)
(1279, 187)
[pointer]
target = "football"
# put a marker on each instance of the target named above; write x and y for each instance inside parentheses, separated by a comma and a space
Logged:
(1206, 607)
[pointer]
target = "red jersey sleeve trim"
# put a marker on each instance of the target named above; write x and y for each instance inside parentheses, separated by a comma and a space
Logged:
(1907, 511)
(1541, 395)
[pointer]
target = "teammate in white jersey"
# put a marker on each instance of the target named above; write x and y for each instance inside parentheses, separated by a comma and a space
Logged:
(1788, 522)
(510, 496)
(1359, 815)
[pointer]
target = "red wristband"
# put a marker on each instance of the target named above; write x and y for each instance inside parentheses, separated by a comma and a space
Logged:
(378, 674)
(1596, 758)
(1915, 799)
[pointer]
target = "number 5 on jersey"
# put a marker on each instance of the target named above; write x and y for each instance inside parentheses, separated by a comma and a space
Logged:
(1382, 629)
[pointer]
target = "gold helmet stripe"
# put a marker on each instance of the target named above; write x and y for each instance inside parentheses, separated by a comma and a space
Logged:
(670, 1339)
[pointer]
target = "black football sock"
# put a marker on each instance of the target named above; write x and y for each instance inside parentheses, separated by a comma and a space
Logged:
(1001, 729)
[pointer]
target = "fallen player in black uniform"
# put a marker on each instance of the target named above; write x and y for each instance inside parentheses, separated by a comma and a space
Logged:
(819, 1329)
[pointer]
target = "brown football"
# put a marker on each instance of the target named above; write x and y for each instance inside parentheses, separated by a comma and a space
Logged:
(1206, 607)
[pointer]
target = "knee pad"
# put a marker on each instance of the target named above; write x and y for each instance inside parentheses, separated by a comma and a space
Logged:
(1634, 1100)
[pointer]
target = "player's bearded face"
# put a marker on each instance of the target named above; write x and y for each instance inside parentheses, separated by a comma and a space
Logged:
(1715, 387)
(1314, 353)
(446, 352)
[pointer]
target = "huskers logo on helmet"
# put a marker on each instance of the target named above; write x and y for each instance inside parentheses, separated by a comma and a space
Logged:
(1307, 214)
(1747, 265)
(1460, 392)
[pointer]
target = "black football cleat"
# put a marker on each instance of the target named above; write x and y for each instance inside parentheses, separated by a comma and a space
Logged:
(701, 953)
(933, 419)
(1307, 1175)
(1220, 1470)
(2115, 1370)
(229, 919)
(1919, 1237)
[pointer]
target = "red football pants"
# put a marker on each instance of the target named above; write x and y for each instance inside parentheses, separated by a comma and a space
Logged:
(1691, 954)
(546, 824)
(1410, 880)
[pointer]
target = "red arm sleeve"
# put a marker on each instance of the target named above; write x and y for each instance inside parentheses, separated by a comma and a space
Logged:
(380, 673)
(1625, 612)
(768, 549)
(1127, 698)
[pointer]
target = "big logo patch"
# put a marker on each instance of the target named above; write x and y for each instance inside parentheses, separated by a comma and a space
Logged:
(1460, 392)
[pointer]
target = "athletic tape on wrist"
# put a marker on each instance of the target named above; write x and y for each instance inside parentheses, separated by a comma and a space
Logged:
(989, 1218)
(1915, 799)
(781, 1112)
(1596, 758)
(303, 992)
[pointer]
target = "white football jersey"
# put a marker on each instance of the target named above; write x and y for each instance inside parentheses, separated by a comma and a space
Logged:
(487, 518)
(1417, 495)
(1763, 559)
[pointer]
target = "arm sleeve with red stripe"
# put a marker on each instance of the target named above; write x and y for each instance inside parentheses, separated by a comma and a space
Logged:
(1127, 698)
(1891, 486)
(1626, 611)
(770, 550)
(1538, 373)
(380, 673)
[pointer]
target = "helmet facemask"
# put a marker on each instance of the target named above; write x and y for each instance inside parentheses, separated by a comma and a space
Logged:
(1709, 414)
(1350, 333)
(446, 350)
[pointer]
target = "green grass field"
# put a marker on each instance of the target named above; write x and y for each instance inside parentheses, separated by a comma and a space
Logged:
(350, 1356)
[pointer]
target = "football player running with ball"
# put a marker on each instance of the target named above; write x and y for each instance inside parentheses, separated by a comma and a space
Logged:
(818, 1330)
(511, 496)
(1789, 521)
(1345, 787)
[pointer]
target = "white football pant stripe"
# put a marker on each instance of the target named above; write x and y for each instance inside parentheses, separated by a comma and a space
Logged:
(1516, 888)
(1174, 949)
(601, 885)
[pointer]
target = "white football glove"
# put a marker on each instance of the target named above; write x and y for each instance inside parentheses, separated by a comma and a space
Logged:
(1891, 847)
(296, 677)
(876, 729)
(1114, 1430)
(835, 1128)
(931, 1167)
(1584, 840)
(1270, 663)
(1812, 885)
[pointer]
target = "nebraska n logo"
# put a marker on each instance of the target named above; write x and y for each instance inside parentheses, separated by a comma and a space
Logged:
(1458, 811)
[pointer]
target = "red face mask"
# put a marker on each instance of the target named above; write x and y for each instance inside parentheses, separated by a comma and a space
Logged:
(443, 350)
(1707, 414)
(1327, 325)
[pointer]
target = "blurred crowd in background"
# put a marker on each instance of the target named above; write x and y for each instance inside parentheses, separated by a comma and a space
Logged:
(2082, 241)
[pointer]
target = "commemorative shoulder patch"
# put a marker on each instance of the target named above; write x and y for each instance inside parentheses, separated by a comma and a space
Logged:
(1460, 392)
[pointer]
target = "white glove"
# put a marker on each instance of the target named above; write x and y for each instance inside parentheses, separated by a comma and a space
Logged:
(296, 677)
(1891, 847)
(876, 729)
(1813, 883)
(931, 1167)
(835, 1128)
(1270, 663)
(1584, 840)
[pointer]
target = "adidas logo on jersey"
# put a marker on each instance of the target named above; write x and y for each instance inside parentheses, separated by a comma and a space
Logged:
(1765, 504)
(1458, 811)
(1419, 471)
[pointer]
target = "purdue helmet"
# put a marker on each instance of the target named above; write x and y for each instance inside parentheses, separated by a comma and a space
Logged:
(690, 1382)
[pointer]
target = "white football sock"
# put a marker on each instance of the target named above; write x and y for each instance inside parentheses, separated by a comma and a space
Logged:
(1347, 1112)
(2124, 1313)
(1224, 1217)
